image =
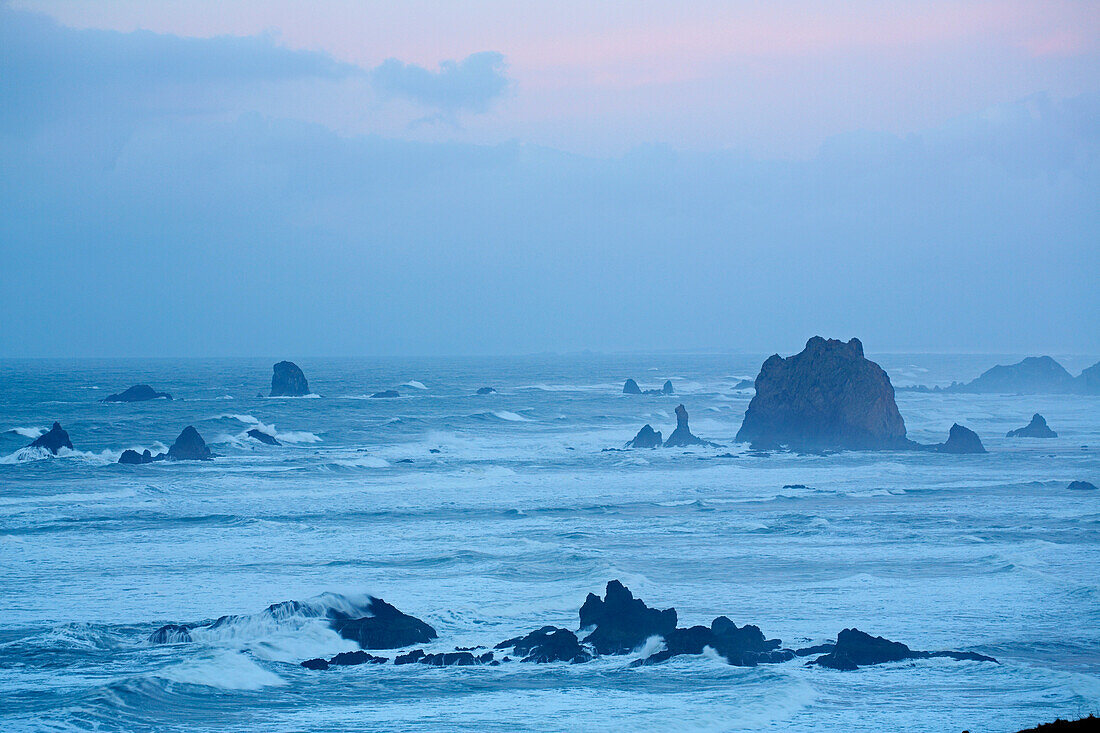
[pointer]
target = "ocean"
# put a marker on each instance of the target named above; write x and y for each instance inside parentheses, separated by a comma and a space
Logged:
(489, 516)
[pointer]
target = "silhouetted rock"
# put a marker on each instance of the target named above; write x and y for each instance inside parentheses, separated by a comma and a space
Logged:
(961, 440)
(171, 634)
(485, 390)
(548, 644)
(53, 440)
(682, 436)
(855, 649)
(287, 380)
(315, 664)
(409, 658)
(1033, 375)
(350, 659)
(263, 437)
(622, 622)
(1081, 486)
(631, 387)
(667, 388)
(132, 457)
(137, 393)
(828, 396)
(1037, 428)
(647, 437)
(385, 628)
(455, 659)
(743, 646)
(1081, 725)
(189, 446)
(386, 394)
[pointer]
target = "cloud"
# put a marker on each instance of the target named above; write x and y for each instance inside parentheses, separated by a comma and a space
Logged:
(471, 84)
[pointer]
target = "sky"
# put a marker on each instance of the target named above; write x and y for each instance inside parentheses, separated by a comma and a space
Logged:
(487, 177)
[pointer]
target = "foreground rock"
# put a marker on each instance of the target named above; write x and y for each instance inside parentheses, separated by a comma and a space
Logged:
(855, 649)
(631, 387)
(961, 440)
(189, 446)
(828, 396)
(137, 393)
(548, 644)
(1037, 428)
(1081, 486)
(647, 437)
(385, 628)
(682, 436)
(263, 437)
(1090, 724)
(287, 380)
(621, 622)
(53, 440)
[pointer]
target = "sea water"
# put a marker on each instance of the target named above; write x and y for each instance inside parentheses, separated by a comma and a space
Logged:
(490, 516)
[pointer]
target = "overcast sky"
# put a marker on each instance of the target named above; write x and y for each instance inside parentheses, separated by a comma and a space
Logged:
(358, 178)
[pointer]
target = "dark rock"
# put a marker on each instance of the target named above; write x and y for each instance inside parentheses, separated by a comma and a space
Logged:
(385, 628)
(315, 664)
(350, 659)
(631, 387)
(1081, 486)
(826, 397)
(1081, 725)
(137, 393)
(682, 436)
(622, 622)
(452, 659)
(171, 634)
(795, 486)
(1037, 428)
(414, 656)
(647, 437)
(189, 446)
(132, 457)
(548, 644)
(856, 649)
(434, 450)
(263, 437)
(486, 390)
(1033, 375)
(386, 394)
(667, 388)
(745, 384)
(54, 440)
(743, 646)
(287, 380)
(961, 440)
(816, 649)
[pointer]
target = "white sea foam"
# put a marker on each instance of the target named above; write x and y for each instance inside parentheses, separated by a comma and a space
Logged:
(414, 384)
(31, 433)
(510, 416)
(226, 670)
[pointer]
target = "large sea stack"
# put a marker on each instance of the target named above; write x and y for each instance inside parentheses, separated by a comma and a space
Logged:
(54, 440)
(288, 381)
(682, 436)
(829, 396)
(189, 447)
(1037, 428)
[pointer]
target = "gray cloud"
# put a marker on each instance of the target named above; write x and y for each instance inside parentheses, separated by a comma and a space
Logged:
(471, 84)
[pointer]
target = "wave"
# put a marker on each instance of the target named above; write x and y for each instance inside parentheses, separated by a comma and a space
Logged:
(414, 384)
(510, 416)
(29, 454)
(289, 436)
(224, 670)
(31, 433)
(365, 462)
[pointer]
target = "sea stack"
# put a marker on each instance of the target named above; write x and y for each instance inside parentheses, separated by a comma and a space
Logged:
(287, 380)
(1033, 375)
(1037, 428)
(667, 389)
(137, 393)
(647, 437)
(54, 440)
(631, 387)
(189, 446)
(829, 396)
(682, 436)
(961, 440)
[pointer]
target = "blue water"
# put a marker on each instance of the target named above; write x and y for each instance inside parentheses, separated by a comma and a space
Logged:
(517, 517)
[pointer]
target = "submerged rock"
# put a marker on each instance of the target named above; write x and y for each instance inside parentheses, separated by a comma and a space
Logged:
(485, 390)
(53, 440)
(189, 446)
(1033, 375)
(1037, 428)
(961, 440)
(385, 628)
(647, 437)
(386, 394)
(171, 634)
(682, 436)
(263, 437)
(622, 622)
(137, 393)
(548, 644)
(1081, 486)
(828, 396)
(855, 648)
(287, 380)
(631, 387)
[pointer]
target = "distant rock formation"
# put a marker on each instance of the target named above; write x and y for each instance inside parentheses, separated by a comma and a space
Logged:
(189, 446)
(386, 394)
(486, 390)
(137, 393)
(1081, 486)
(682, 436)
(622, 622)
(1033, 375)
(263, 437)
(826, 397)
(133, 458)
(742, 647)
(631, 387)
(667, 388)
(1089, 380)
(1037, 428)
(287, 380)
(745, 384)
(961, 440)
(385, 628)
(53, 440)
(647, 437)
(548, 644)
(854, 649)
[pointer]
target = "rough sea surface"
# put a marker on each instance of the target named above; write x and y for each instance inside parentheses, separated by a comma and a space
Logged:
(517, 517)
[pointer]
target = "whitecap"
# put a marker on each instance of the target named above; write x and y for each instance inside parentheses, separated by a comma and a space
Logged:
(414, 384)
(226, 670)
(31, 433)
(510, 416)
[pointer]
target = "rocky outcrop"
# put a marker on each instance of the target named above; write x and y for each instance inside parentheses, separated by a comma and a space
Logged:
(485, 390)
(53, 440)
(385, 628)
(745, 384)
(344, 659)
(855, 649)
(189, 446)
(667, 388)
(287, 380)
(1037, 428)
(828, 396)
(1081, 486)
(1089, 380)
(682, 436)
(266, 438)
(137, 393)
(743, 646)
(1033, 375)
(631, 387)
(622, 622)
(133, 458)
(387, 394)
(647, 437)
(548, 644)
(961, 440)
(1089, 724)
